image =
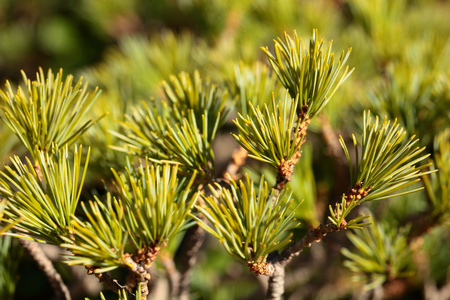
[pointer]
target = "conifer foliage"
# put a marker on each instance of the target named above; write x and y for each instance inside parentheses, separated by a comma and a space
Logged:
(169, 184)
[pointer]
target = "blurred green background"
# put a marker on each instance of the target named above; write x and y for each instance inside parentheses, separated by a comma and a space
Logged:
(401, 52)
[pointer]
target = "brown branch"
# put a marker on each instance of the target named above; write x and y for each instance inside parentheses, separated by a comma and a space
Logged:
(286, 168)
(141, 275)
(314, 235)
(140, 263)
(172, 274)
(38, 170)
(46, 266)
(186, 257)
(278, 262)
(110, 283)
(237, 161)
(275, 290)
(276, 271)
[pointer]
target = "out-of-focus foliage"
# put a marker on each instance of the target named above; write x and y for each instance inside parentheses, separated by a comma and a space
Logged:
(10, 255)
(438, 184)
(382, 254)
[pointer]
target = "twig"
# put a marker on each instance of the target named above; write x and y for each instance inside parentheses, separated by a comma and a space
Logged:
(186, 256)
(110, 283)
(140, 263)
(237, 161)
(314, 235)
(433, 293)
(286, 168)
(279, 261)
(276, 267)
(38, 170)
(46, 266)
(172, 274)
(275, 290)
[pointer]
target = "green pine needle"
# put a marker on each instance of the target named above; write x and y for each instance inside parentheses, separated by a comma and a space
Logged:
(50, 110)
(145, 130)
(250, 223)
(99, 241)
(157, 203)
(181, 129)
(187, 92)
(311, 74)
(46, 202)
(268, 136)
(387, 162)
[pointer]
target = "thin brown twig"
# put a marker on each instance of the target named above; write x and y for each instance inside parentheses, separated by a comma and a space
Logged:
(46, 266)
(286, 168)
(314, 235)
(186, 257)
(172, 274)
(110, 283)
(278, 262)
(237, 161)
(276, 283)
(275, 268)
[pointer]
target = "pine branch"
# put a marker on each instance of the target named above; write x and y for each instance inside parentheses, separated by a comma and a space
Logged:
(274, 136)
(182, 128)
(314, 235)
(387, 163)
(275, 290)
(311, 77)
(148, 196)
(46, 266)
(309, 74)
(153, 196)
(250, 223)
(45, 194)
